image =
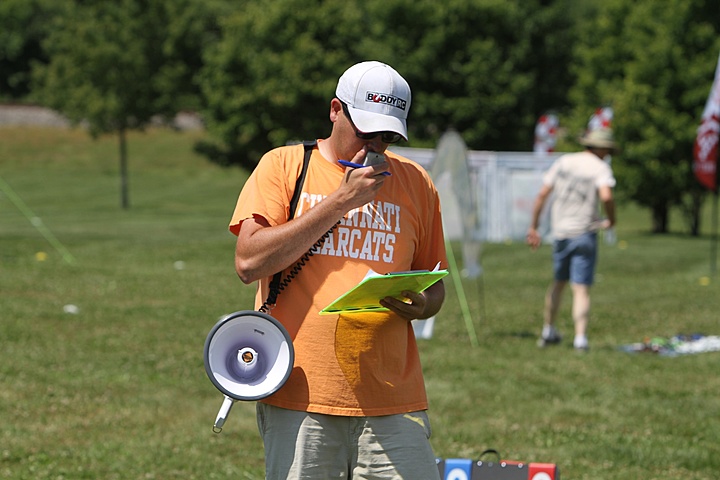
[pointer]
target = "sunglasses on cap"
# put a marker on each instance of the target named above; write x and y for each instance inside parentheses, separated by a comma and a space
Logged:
(386, 137)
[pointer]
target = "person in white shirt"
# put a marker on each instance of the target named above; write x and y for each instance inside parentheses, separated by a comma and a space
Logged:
(577, 182)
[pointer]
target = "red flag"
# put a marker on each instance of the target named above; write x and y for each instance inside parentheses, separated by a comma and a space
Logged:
(706, 144)
(546, 133)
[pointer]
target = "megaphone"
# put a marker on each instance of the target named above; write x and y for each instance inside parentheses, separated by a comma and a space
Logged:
(248, 356)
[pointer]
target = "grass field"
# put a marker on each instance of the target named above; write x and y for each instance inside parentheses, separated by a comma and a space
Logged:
(118, 390)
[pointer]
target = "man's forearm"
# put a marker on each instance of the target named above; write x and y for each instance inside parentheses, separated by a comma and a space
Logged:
(609, 206)
(264, 250)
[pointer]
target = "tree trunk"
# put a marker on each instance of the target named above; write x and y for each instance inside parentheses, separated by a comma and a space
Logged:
(691, 208)
(693, 213)
(660, 218)
(124, 194)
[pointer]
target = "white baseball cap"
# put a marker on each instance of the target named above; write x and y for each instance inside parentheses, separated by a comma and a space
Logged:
(377, 97)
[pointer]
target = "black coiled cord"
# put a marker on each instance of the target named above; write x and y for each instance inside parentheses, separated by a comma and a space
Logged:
(275, 290)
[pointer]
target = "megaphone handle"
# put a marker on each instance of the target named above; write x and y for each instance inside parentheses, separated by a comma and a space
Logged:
(222, 414)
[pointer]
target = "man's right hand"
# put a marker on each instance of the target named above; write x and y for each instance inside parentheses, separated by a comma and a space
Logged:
(533, 238)
(361, 185)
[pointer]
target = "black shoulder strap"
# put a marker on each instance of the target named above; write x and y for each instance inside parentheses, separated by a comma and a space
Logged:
(308, 146)
(301, 179)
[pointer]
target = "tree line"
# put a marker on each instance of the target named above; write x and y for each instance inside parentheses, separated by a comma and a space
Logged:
(261, 72)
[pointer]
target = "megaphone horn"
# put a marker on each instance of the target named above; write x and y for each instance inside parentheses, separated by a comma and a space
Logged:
(248, 356)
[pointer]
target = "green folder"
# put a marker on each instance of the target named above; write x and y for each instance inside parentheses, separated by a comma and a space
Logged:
(366, 295)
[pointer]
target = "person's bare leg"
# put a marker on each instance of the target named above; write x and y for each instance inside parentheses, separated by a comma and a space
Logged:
(553, 297)
(581, 313)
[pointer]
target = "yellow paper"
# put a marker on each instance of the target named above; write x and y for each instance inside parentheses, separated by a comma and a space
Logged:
(366, 295)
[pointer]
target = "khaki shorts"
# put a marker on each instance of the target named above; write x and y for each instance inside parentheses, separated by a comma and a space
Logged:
(301, 445)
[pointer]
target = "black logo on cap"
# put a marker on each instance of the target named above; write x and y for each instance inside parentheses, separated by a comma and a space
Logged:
(391, 100)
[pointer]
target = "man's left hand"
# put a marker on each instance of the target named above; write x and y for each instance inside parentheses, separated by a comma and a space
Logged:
(410, 309)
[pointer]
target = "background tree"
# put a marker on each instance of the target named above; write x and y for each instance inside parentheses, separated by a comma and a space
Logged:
(116, 65)
(268, 80)
(23, 26)
(654, 63)
(488, 68)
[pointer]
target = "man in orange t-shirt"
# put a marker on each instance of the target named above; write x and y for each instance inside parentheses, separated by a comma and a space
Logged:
(354, 405)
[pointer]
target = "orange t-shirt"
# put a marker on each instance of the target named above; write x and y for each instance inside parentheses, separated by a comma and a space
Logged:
(363, 364)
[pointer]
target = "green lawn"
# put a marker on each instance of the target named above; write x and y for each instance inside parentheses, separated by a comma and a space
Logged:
(118, 390)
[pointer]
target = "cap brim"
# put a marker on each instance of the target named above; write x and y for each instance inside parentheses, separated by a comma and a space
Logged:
(368, 122)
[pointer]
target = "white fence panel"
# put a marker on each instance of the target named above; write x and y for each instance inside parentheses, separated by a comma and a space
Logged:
(505, 183)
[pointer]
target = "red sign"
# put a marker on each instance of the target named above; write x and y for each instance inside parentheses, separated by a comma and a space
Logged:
(602, 118)
(546, 133)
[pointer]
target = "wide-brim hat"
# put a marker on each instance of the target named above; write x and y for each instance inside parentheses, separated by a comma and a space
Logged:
(599, 138)
(377, 97)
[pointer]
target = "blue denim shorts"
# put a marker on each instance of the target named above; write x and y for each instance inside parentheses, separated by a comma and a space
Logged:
(574, 259)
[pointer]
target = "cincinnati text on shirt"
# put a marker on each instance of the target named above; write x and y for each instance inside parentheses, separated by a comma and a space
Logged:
(365, 233)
